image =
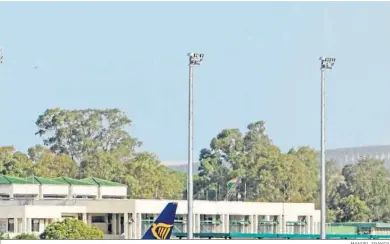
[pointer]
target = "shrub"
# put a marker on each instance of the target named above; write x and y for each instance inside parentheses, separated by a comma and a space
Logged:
(71, 229)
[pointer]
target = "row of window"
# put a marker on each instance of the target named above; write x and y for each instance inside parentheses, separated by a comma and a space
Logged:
(34, 225)
(23, 197)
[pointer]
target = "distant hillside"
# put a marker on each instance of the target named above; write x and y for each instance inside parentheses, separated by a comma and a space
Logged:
(341, 156)
(183, 167)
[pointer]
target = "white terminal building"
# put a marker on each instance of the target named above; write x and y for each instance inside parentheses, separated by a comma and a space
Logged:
(28, 205)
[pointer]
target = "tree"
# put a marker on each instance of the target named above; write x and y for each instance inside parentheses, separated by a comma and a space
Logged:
(104, 165)
(14, 163)
(334, 182)
(352, 210)
(25, 236)
(148, 178)
(48, 164)
(266, 173)
(78, 133)
(369, 181)
(71, 229)
(288, 179)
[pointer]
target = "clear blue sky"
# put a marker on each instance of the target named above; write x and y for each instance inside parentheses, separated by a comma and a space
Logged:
(261, 63)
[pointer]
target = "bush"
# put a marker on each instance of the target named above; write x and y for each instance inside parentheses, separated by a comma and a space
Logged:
(25, 236)
(4, 236)
(71, 229)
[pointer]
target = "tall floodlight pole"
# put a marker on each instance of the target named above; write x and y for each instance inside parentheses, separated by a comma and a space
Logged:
(326, 64)
(194, 60)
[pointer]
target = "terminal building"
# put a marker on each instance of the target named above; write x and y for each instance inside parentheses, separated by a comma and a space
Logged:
(28, 205)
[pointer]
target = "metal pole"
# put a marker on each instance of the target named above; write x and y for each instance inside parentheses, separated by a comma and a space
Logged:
(190, 153)
(326, 64)
(195, 59)
(323, 172)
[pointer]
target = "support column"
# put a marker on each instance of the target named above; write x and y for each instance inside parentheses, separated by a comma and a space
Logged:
(70, 192)
(223, 223)
(41, 225)
(113, 224)
(85, 218)
(40, 194)
(256, 221)
(20, 225)
(215, 224)
(134, 226)
(106, 223)
(28, 225)
(311, 225)
(307, 228)
(118, 224)
(227, 223)
(194, 223)
(185, 223)
(131, 224)
(139, 226)
(198, 223)
(252, 224)
(24, 225)
(125, 224)
(89, 219)
(15, 225)
(282, 224)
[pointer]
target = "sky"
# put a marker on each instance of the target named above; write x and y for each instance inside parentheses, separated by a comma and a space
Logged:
(261, 63)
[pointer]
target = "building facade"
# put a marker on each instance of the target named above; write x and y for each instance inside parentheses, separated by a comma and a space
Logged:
(29, 205)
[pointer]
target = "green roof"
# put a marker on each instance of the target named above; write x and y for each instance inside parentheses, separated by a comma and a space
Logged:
(12, 180)
(5, 179)
(41, 180)
(71, 181)
(101, 182)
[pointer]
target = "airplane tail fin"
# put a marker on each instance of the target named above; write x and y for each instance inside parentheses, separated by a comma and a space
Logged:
(162, 227)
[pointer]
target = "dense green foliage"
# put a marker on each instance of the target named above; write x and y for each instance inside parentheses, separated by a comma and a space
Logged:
(25, 236)
(71, 229)
(96, 143)
(4, 236)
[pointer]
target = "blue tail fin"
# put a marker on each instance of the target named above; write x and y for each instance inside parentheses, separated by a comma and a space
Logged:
(162, 227)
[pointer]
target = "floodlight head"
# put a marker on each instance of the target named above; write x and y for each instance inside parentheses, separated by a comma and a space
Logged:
(195, 58)
(327, 62)
(1, 55)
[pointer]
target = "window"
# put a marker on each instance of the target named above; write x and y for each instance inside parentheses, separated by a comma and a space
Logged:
(97, 219)
(35, 225)
(11, 225)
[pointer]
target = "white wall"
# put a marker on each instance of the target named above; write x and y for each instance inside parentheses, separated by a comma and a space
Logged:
(12, 211)
(113, 191)
(6, 189)
(85, 190)
(51, 212)
(108, 205)
(25, 189)
(55, 189)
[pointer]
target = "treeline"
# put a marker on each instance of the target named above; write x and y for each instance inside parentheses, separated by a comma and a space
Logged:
(96, 143)
(93, 143)
(358, 192)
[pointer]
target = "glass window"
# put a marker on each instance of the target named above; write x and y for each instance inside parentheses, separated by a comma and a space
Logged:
(35, 225)
(97, 219)
(11, 225)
